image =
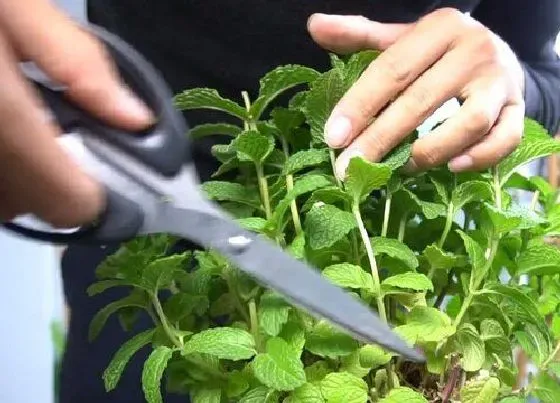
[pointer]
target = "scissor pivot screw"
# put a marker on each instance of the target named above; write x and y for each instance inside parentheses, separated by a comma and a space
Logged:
(239, 243)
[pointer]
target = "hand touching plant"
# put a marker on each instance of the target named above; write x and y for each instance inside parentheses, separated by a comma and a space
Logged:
(36, 176)
(444, 55)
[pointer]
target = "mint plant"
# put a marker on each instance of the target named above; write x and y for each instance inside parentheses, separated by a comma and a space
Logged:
(454, 261)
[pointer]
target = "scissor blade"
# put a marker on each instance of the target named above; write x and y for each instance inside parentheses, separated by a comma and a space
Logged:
(278, 270)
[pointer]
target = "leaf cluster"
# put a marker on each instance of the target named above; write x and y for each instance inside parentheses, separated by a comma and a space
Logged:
(458, 265)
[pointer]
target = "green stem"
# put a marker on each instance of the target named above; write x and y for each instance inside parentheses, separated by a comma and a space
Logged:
(263, 189)
(448, 223)
(551, 357)
(249, 123)
(491, 254)
(165, 324)
(376, 282)
(386, 215)
(402, 227)
(289, 188)
(254, 323)
(333, 161)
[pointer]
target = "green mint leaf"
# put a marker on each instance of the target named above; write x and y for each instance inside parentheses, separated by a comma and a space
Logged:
(160, 272)
(307, 393)
(398, 157)
(395, 249)
(273, 313)
(112, 373)
(502, 220)
(357, 63)
(294, 334)
(490, 329)
(536, 143)
(476, 256)
(279, 80)
(305, 159)
(324, 94)
(468, 192)
(152, 373)
(262, 394)
(431, 210)
(255, 224)
(279, 368)
(327, 195)
(303, 185)
(545, 388)
(525, 308)
(327, 341)
(336, 62)
(228, 191)
(207, 396)
(325, 225)
(363, 177)
(513, 399)
(403, 395)
(135, 299)
(533, 343)
(214, 129)
(441, 190)
(237, 384)
(468, 342)
(317, 371)
(223, 342)
(349, 276)
(441, 259)
(103, 285)
(425, 325)
(286, 120)
(484, 390)
(539, 259)
(410, 281)
(554, 368)
(205, 98)
(344, 387)
(362, 361)
(253, 146)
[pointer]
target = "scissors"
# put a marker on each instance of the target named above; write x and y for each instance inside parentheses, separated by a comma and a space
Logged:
(151, 186)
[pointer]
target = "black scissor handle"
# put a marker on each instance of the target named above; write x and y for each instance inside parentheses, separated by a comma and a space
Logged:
(163, 148)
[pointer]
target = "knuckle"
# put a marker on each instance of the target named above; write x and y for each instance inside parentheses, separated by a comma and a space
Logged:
(417, 101)
(426, 157)
(394, 67)
(479, 122)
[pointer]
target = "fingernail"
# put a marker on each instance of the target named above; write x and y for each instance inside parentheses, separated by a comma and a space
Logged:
(343, 160)
(133, 106)
(337, 131)
(460, 163)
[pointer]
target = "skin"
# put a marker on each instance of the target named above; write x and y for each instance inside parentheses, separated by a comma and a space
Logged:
(459, 58)
(444, 55)
(36, 174)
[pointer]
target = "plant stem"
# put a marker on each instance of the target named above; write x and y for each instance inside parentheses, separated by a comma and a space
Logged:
(376, 282)
(165, 324)
(448, 223)
(372, 262)
(552, 356)
(289, 188)
(402, 227)
(263, 188)
(249, 124)
(386, 215)
(254, 323)
(333, 160)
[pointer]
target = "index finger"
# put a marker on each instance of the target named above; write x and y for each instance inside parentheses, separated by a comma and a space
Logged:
(388, 75)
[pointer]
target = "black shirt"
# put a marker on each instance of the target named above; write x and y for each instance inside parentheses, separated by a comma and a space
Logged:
(228, 45)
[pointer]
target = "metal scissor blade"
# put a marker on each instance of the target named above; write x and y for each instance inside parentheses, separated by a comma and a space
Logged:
(296, 281)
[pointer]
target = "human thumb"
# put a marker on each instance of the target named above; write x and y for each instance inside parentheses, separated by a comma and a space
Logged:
(350, 33)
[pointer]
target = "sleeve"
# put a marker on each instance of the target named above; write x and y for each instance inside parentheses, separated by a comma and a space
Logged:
(531, 29)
